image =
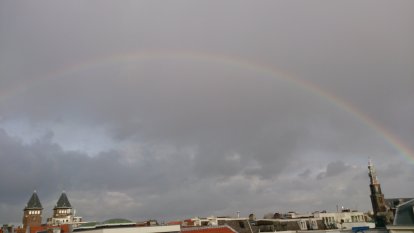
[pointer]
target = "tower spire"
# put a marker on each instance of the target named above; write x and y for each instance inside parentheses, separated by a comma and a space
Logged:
(377, 197)
(372, 173)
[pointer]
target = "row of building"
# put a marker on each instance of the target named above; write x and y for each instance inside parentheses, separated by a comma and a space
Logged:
(62, 220)
(396, 214)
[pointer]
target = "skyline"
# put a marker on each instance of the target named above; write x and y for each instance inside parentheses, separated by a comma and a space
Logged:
(175, 109)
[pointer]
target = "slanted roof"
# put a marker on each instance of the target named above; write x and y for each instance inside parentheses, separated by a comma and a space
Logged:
(63, 202)
(34, 202)
(405, 214)
(395, 202)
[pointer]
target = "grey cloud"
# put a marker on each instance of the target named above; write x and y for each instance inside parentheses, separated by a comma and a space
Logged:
(334, 169)
(184, 130)
(305, 174)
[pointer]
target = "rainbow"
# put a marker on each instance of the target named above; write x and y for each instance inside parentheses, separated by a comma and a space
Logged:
(259, 68)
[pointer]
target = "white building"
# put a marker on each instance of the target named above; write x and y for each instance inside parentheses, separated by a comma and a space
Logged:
(322, 221)
(213, 220)
(344, 220)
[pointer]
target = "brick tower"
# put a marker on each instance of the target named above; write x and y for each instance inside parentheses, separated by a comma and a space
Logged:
(32, 213)
(62, 212)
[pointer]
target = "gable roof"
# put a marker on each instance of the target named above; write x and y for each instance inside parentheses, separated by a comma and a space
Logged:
(34, 202)
(63, 202)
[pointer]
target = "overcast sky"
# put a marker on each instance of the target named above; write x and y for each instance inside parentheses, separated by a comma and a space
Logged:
(174, 109)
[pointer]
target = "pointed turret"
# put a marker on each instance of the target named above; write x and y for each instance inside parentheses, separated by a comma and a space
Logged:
(63, 213)
(34, 202)
(63, 208)
(63, 201)
(32, 215)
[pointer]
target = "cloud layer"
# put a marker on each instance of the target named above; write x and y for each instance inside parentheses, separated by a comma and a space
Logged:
(184, 133)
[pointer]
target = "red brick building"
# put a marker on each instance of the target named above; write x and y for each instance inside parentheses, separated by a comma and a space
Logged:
(32, 213)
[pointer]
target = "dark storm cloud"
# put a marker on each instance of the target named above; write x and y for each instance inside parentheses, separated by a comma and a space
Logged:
(44, 166)
(190, 136)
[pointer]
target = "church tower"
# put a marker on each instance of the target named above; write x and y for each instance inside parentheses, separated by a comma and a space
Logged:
(382, 215)
(377, 198)
(32, 213)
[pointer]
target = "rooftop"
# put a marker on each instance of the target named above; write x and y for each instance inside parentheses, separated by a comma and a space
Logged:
(63, 202)
(34, 202)
(405, 214)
